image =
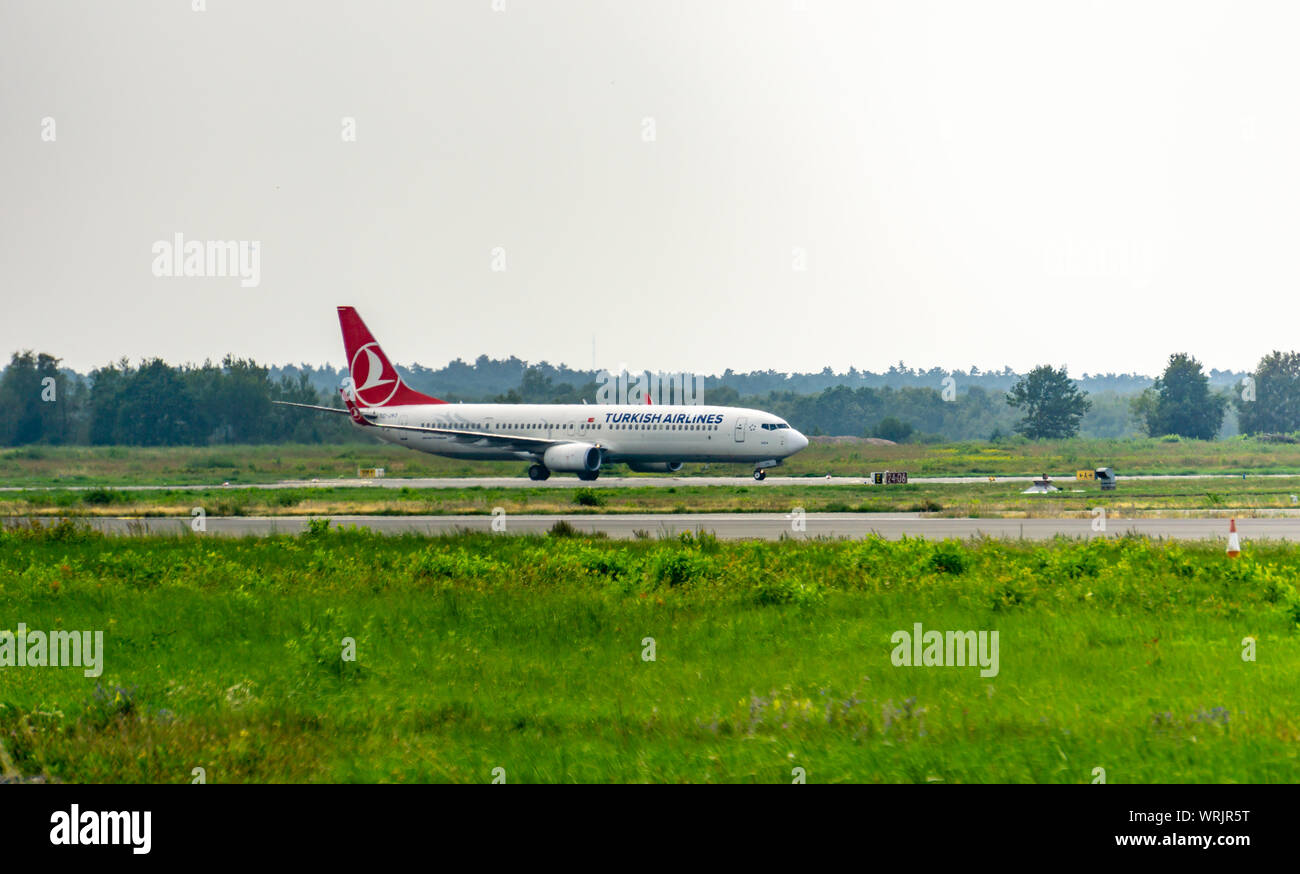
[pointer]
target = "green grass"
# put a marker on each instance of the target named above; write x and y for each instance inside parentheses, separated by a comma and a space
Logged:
(189, 465)
(525, 654)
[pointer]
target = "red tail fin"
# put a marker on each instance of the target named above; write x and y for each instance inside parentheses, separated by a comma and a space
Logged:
(375, 381)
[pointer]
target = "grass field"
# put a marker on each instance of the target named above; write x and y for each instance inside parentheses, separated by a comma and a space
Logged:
(116, 465)
(1133, 499)
(528, 655)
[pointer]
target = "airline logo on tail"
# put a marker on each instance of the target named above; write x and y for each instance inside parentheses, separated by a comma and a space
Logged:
(375, 381)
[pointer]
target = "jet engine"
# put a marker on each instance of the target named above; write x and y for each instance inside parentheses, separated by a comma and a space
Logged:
(572, 458)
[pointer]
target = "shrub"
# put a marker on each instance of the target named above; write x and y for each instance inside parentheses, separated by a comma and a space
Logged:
(562, 528)
(459, 564)
(948, 558)
(588, 498)
(59, 531)
(98, 496)
(676, 568)
(316, 528)
(615, 564)
(787, 590)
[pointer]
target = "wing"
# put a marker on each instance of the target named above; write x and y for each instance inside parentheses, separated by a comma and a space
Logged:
(310, 407)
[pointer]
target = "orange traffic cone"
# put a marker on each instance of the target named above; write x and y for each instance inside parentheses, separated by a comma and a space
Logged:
(1234, 545)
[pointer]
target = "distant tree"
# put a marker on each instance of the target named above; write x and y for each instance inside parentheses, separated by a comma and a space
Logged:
(1052, 404)
(894, 429)
(723, 395)
(1110, 416)
(239, 406)
(107, 384)
(537, 387)
(35, 409)
(1181, 402)
(1142, 409)
(150, 405)
(289, 425)
(20, 392)
(1273, 407)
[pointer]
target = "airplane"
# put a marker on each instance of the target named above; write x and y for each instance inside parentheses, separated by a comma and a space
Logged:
(560, 438)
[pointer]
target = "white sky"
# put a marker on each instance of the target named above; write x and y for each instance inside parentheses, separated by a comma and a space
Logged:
(978, 183)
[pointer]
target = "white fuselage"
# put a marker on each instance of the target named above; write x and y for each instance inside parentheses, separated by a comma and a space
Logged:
(636, 433)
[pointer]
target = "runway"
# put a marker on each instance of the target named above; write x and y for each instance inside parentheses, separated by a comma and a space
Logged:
(728, 526)
(560, 481)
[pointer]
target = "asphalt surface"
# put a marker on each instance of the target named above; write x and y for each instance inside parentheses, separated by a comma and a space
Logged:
(730, 526)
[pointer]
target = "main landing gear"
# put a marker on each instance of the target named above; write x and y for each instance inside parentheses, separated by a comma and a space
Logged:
(538, 472)
(588, 475)
(760, 474)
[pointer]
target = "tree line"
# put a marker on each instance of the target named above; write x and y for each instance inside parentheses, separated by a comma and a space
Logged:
(1180, 402)
(489, 377)
(153, 403)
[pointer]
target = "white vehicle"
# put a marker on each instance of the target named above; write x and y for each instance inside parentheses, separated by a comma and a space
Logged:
(565, 438)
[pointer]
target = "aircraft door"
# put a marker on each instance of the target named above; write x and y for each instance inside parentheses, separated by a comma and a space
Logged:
(740, 430)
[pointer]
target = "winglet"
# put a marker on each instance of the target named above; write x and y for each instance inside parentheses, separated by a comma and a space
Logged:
(352, 409)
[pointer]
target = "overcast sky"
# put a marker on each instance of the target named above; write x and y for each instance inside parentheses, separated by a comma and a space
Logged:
(786, 184)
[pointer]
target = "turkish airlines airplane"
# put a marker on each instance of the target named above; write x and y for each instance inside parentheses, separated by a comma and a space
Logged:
(565, 438)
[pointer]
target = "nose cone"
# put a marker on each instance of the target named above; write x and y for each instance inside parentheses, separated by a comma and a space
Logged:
(797, 441)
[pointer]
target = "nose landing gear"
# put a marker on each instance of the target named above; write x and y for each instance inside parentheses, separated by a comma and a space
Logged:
(760, 474)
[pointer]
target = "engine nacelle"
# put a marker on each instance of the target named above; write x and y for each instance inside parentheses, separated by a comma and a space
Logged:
(572, 458)
(655, 466)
